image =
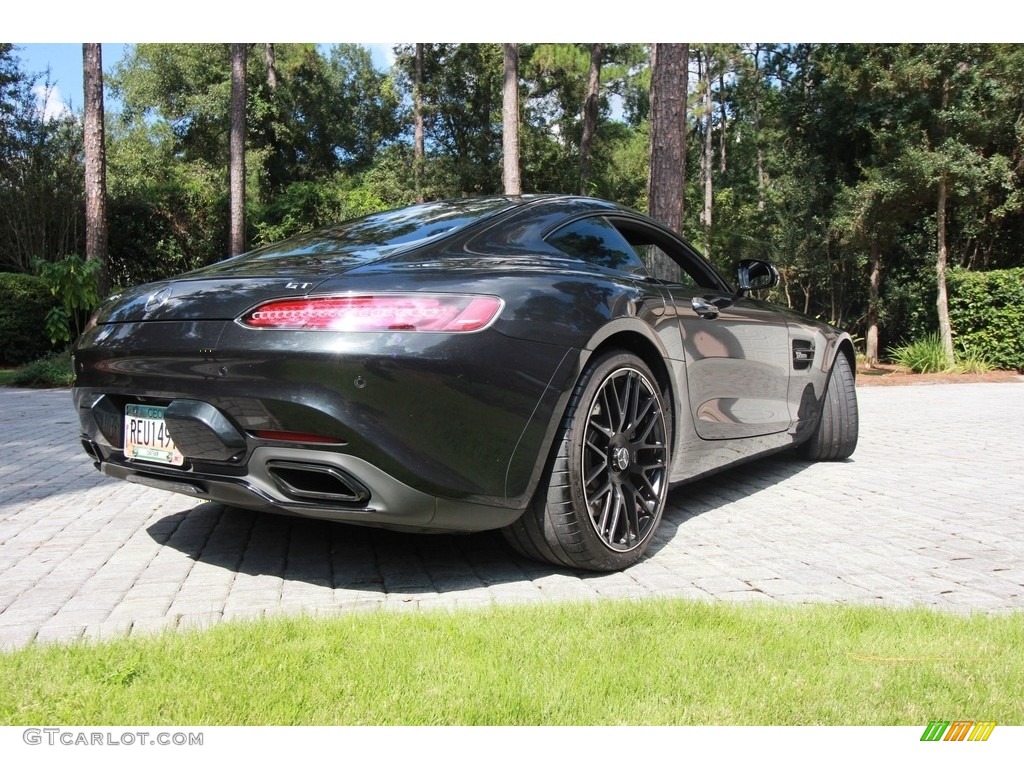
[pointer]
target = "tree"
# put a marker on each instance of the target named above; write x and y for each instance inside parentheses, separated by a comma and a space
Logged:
(568, 143)
(237, 165)
(510, 121)
(666, 185)
(419, 154)
(705, 58)
(41, 175)
(462, 86)
(923, 139)
(95, 163)
(590, 110)
(838, 155)
(969, 148)
(271, 59)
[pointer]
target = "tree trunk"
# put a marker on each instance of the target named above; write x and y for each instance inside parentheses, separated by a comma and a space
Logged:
(417, 125)
(874, 290)
(95, 163)
(941, 301)
(708, 156)
(510, 121)
(762, 178)
(237, 191)
(942, 258)
(667, 153)
(268, 52)
(590, 107)
(722, 118)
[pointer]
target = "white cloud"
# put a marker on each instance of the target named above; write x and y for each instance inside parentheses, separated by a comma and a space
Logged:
(49, 102)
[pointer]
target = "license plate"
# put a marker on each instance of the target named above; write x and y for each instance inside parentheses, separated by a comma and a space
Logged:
(146, 437)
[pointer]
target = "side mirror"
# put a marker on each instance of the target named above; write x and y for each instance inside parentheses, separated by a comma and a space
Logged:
(755, 275)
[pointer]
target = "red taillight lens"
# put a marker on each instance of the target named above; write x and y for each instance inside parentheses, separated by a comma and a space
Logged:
(440, 312)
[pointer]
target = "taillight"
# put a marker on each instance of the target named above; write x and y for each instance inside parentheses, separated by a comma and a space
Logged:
(437, 312)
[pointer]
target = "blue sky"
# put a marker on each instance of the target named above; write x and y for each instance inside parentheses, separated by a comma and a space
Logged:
(64, 61)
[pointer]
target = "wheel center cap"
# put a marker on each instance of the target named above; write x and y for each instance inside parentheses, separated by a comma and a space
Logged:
(620, 458)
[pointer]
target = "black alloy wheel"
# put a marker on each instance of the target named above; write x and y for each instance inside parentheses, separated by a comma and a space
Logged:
(624, 459)
(608, 478)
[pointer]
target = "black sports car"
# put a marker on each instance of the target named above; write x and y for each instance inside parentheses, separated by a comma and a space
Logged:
(500, 362)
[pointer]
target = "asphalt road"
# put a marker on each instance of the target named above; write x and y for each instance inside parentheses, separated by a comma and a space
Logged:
(928, 512)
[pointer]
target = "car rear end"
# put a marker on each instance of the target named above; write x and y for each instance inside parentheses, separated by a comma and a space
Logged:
(324, 386)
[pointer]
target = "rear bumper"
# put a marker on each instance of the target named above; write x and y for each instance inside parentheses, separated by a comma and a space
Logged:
(310, 483)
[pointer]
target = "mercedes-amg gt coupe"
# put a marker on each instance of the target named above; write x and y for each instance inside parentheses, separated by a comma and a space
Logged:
(546, 365)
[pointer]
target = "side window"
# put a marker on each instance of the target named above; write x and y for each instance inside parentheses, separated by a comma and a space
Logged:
(658, 248)
(597, 242)
(654, 255)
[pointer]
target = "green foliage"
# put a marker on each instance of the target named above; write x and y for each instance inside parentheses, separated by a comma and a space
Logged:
(986, 311)
(304, 205)
(821, 154)
(41, 175)
(25, 302)
(165, 215)
(320, 128)
(462, 90)
(925, 355)
(972, 361)
(74, 282)
(48, 372)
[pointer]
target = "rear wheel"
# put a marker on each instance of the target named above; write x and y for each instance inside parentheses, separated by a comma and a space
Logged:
(608, 479)
(836, 435)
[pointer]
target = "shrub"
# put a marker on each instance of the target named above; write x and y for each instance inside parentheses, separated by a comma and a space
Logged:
(986, 311)
(25, 301)
(972, 361)
(925, 355)
(75, 282)
(54, 370)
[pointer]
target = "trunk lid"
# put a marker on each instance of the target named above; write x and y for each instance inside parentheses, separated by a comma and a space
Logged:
(201, 299)
(297, 266)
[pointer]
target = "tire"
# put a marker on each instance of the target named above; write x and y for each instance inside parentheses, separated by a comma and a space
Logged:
(835, 437)
(607, 480)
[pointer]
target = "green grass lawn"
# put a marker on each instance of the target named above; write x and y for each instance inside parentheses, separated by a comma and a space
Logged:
(658, 662)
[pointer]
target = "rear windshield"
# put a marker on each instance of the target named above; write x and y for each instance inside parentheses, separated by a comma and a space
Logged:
(360, 241)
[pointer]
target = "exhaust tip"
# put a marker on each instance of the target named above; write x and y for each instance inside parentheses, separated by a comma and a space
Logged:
(317, 482)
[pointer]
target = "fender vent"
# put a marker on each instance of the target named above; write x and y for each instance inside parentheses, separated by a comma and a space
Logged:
(803, 354)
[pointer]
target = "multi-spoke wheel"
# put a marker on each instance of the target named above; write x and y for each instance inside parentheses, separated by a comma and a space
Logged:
(609, 476)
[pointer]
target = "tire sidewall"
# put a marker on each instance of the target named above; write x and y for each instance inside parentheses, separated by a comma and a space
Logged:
(599, 373)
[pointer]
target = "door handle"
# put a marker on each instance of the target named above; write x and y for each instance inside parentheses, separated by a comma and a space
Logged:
(704, 308)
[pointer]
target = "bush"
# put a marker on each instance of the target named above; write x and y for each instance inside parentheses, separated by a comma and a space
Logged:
(925, 355)
(54, 370)
(972, 361)
(986, 310)
(76, 284)
(25, 301)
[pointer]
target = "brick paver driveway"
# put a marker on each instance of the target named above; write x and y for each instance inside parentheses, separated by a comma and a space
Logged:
(927, 512)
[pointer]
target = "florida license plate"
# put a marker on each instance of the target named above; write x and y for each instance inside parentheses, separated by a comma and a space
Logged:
(146, 437)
